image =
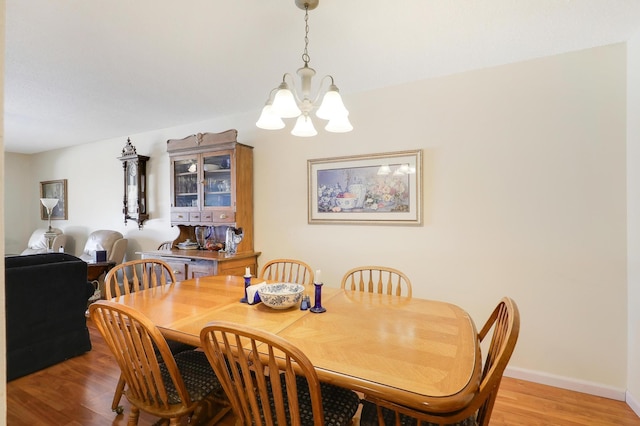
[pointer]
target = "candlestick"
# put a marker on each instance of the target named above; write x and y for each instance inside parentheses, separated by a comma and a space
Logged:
(247, 283)
(318, 309)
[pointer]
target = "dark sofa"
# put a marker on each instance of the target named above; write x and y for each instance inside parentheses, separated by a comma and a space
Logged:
(45, 302)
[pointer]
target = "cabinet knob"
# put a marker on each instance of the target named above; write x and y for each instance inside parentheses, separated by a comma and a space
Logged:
(223, 216)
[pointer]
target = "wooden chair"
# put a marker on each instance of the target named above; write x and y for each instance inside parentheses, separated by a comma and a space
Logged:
(139, 275)
(288, 271)
(377, 279)
(505, 322)
(165, 245)
(159, 383)
(271, 382)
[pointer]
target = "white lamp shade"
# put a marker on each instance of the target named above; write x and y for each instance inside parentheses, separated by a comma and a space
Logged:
(49, 203)
(304, 127)
(268, 120)
(332, 105)
(284, 104)
(339, 125)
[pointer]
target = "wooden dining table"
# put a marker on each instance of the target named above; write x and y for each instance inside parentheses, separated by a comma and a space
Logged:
(417, 352)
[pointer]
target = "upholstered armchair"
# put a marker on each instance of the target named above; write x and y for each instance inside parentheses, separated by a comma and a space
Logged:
(38, 243)
(111, 241)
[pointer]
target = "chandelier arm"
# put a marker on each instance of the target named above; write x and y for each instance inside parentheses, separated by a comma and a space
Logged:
(271, 96)
(292, 86)
(320, 91)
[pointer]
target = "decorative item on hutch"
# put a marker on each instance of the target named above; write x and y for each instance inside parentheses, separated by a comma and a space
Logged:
(135, 184)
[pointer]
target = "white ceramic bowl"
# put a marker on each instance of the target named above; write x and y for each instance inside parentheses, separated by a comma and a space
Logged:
(346, 203)
(281, 295)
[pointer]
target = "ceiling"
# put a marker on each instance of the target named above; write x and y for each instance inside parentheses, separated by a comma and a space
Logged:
(80, 71)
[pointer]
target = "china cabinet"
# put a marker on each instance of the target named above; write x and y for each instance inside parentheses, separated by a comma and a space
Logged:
(211, 187)
(212, 184)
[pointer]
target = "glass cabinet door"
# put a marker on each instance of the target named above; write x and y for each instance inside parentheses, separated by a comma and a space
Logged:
(185, 182)
(217, 179)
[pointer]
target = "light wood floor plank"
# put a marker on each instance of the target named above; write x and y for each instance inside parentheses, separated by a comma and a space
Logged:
(78, 392)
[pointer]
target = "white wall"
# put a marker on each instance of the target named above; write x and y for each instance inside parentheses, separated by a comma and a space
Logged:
(3, 341)
(524, 196)
(633, 218)
(20, 189)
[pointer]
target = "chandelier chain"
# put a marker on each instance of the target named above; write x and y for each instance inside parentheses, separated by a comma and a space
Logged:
(305, 55)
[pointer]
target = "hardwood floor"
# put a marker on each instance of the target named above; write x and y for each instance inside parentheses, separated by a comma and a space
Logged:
(78, 392)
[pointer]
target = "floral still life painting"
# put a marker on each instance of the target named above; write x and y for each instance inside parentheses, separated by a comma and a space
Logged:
(378, 188)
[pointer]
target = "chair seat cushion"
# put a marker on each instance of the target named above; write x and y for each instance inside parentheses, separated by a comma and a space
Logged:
(198, 376)
(339, 404)
(369, 417)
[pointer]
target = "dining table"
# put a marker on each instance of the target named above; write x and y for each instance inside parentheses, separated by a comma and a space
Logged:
(417, 352)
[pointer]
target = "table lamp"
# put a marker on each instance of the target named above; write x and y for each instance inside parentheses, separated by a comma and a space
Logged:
(50, 235)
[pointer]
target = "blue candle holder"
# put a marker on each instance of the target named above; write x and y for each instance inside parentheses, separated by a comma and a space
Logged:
(247, 283)
(317, 308)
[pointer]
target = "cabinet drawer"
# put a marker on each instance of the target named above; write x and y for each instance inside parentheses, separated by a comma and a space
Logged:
(179, 269)
(179, 216)
(194, 217)
(206, 216)
(237, 271)
(223, 216)
(200, 268)
(237, 266)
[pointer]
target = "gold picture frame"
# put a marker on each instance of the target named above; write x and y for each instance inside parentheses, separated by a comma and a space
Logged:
(377, 189)
(54, 189)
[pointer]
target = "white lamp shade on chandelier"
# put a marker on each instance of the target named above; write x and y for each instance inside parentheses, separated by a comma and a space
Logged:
(285, 102)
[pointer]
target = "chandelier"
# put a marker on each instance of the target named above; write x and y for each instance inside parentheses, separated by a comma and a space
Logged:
(285, 102)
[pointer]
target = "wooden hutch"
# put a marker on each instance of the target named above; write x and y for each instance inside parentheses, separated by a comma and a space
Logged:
(211, 187)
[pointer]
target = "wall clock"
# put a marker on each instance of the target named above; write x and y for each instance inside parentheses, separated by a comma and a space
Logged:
(135, 185)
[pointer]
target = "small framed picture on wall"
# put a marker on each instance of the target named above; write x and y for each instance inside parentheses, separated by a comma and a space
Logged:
(54, 189)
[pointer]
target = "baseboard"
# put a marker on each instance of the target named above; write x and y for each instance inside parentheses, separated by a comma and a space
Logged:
(569, 383)
(633, 403)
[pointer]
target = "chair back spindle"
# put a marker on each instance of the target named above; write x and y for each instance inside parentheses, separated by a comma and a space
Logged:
(137, 275)
(377, 279)
(288, 271)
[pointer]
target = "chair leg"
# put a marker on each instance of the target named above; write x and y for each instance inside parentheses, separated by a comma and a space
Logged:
(133, 416)
(210, 411)
(117, 396)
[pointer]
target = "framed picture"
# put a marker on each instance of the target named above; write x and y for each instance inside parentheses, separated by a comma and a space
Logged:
(54, 189)
(383, 189)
